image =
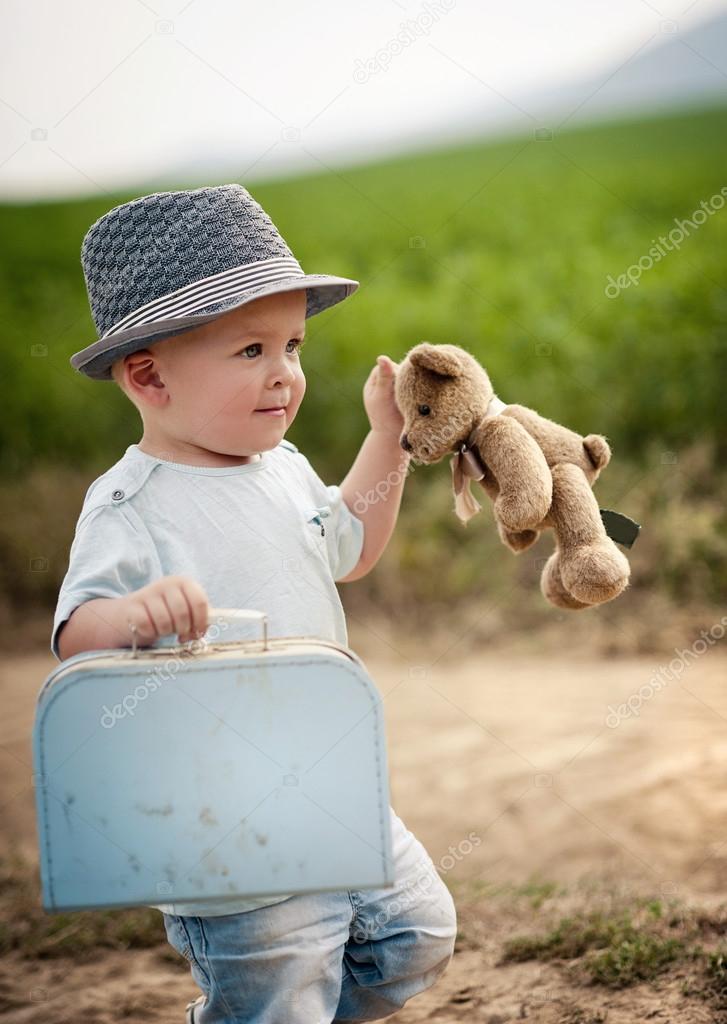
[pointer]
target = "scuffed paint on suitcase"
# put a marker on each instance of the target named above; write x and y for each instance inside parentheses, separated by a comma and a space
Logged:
(240, 771)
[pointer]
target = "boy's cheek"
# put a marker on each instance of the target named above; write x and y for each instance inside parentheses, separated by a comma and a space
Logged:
(296, 400)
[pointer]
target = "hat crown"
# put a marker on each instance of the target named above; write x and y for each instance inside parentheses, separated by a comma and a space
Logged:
(145, 249)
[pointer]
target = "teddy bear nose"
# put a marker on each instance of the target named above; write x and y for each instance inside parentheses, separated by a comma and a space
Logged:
(405, 443)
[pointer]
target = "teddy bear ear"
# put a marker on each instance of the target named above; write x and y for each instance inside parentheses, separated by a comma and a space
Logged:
(437, 358)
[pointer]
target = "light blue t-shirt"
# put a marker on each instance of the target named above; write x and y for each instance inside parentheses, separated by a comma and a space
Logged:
(268, 535)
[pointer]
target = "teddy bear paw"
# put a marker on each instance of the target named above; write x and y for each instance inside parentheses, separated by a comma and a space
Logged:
(517, 542)
(595, 573)
(520, 512)
(552, 587)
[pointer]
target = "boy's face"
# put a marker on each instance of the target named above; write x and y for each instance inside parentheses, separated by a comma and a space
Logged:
(207, 388)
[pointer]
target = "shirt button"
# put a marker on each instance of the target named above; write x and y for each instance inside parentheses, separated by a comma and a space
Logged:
(117, 495)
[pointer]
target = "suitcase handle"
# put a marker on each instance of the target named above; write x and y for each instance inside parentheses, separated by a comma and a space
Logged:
(241, 614)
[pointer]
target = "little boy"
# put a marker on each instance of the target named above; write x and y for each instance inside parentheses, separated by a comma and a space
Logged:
(200, 308)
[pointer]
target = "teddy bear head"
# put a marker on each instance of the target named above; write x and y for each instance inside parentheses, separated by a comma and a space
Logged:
(443, 393)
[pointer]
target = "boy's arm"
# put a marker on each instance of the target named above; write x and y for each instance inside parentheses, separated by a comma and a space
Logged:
(374, 485)
(95, 625)
(372, 490)
(172, 604)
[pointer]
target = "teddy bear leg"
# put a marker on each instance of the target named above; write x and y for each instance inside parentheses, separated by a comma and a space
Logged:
(517, 542)
(592, 568)
(520, 469)
(552, 587)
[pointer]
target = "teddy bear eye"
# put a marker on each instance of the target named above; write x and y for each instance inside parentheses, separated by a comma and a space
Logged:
(424, 410)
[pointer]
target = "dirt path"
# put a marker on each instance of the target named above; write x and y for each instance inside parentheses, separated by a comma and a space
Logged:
(519, 750)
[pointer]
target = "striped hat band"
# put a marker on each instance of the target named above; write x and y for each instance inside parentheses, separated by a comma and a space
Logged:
(210, 289)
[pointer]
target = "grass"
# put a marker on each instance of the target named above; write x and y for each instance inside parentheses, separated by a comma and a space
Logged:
(715, 980)
(619, 953)
(615, 949)
(534, 892)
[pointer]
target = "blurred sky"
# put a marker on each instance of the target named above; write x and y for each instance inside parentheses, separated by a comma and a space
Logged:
(97, 96)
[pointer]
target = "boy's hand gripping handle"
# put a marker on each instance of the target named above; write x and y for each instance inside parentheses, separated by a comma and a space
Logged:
(217, 614)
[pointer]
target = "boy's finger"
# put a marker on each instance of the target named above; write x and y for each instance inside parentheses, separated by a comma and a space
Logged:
(387, 366)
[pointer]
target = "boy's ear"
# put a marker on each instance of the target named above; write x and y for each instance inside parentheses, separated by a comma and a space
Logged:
(437, 358)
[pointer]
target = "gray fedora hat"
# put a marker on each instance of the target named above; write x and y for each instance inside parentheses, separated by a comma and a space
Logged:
(165, 263)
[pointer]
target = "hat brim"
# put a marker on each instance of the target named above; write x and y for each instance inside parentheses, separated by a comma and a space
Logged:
(96, 360)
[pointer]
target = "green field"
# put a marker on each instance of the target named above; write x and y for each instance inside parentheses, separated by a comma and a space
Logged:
(503, 247)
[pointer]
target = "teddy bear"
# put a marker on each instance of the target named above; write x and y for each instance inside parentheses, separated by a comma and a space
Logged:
(538, 473)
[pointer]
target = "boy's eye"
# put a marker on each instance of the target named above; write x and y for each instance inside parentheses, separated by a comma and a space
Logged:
(252, 350)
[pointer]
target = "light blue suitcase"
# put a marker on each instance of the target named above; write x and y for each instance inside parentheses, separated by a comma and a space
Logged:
(233, 768)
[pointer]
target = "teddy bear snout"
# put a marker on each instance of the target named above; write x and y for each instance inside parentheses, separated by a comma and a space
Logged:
(423, 451)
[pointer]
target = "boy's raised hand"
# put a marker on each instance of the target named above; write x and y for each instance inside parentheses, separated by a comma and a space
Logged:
(378, 398)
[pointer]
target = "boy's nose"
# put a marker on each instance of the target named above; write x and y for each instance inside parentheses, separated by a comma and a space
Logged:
(283, 375)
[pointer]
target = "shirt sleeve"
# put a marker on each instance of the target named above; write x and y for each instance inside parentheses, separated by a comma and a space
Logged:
(348, 534)
(109, 557)
(344, 531)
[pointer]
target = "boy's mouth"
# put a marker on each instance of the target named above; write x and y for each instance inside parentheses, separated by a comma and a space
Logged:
(274, 410)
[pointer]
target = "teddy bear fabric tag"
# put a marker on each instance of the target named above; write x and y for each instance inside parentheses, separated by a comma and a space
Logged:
(619, 528)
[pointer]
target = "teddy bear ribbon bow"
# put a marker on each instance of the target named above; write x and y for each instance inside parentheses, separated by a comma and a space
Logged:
(467, 466)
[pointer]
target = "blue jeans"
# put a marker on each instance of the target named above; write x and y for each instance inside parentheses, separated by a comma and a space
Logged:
(319, 958)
